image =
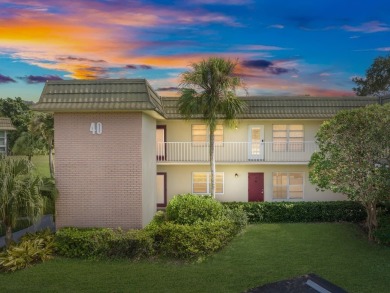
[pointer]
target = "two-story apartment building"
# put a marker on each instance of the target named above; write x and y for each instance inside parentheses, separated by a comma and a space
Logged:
(122, 150)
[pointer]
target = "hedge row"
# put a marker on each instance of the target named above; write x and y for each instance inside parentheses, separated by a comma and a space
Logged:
(103, 242)
(276, 212)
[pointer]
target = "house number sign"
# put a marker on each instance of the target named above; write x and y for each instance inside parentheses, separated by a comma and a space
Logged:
(96, 128)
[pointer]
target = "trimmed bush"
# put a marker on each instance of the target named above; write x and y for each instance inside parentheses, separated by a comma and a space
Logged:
(187, 209)
(33, 248)
(103, 242)
(276, 212)
(193, 241)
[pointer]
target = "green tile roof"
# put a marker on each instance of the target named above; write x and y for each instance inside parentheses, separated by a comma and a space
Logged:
(138, 95)
(99, 95)
(6, 124)
(288, 107)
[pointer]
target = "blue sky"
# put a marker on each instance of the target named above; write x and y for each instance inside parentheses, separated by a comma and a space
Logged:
(282, 47)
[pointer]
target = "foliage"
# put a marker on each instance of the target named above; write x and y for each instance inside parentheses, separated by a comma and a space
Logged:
(354, 157)
(195, 226)
(189, 209)
(103, 242)
(306, 211)
(192, 241)
(19, 193)
(29, 144)
(20, 115)
(208, 90)
(382, 233)
(33, 248)
(42, 125)
(377, 80)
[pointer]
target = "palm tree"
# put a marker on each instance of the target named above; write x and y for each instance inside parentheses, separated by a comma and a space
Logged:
(208, 91)
(19, 194)
(42, 124)
(29, 144)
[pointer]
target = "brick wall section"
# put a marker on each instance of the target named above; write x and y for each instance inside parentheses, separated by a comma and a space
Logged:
(99, 177)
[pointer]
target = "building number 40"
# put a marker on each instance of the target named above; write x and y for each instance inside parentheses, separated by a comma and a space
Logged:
(96, 128)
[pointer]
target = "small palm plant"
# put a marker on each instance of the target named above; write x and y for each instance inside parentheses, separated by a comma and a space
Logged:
(19, 194)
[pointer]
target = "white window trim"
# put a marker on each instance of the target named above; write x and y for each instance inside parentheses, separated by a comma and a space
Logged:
(288, 193)
(5, 142)
(208, 182)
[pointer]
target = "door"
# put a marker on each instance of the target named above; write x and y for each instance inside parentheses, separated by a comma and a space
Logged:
(256, 142)
(255, 186)
(160, 142)
(161, 189)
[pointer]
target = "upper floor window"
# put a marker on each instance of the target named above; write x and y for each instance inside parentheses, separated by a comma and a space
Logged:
(200, 134)
(288, 138)
(201, 182)
(287, 185)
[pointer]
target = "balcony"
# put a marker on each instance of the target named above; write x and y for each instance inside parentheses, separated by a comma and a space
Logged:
(235, 152)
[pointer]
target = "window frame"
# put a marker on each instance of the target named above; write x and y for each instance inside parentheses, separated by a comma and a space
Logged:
(3, 147)
(288, 185)
(208, 183)
(289, 146)
(217, 142)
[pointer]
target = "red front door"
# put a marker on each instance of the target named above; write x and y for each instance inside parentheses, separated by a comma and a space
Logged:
(255, 186)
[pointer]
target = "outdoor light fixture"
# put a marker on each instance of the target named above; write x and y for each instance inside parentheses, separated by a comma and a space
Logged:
(236, 175)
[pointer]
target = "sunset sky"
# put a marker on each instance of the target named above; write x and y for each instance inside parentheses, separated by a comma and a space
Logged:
(311, 47)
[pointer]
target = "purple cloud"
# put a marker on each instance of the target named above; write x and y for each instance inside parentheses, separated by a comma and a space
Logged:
(6, 79)
(33, 79)
(168, 89)
(266, 66)
(142, 66)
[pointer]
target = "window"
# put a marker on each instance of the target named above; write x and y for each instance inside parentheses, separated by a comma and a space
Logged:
(201, 182)
(287, 185)
(288, 138)
(2, 142)
(200, 134)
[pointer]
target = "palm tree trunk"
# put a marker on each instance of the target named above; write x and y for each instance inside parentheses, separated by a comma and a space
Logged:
(8, 236)
(212, 163)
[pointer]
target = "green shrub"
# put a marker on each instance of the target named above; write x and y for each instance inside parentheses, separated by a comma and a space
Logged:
(273, 212)
(130, 244)
(32, 249)
(103, 242)
(193, 241)
(382, 233)
(189, 209)
(83, 243)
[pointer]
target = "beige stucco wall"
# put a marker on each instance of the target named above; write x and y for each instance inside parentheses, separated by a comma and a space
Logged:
(180, 130)
(100, 177)
(149, 169)
(179, 180)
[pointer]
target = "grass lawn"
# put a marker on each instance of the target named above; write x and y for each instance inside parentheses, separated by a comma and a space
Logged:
(42, 165)
(264, 253)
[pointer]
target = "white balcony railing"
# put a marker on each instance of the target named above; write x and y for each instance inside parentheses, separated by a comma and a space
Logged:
(239, 152)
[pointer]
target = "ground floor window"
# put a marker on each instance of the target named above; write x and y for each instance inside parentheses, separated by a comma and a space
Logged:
(287, 185)
(201, 182)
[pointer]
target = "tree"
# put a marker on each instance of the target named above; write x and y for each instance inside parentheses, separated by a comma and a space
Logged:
(19, 113)
(354, 157)
(42, 124)
(377, 80)
(19, 194)
(208, 91)
(29, 144)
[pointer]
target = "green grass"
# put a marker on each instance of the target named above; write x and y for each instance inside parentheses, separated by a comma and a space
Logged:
(264, 253)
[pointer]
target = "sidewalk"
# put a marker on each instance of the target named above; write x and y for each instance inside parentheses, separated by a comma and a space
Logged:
(45, 222)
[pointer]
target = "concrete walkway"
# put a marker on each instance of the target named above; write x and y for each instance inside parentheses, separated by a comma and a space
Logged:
(45, 222)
